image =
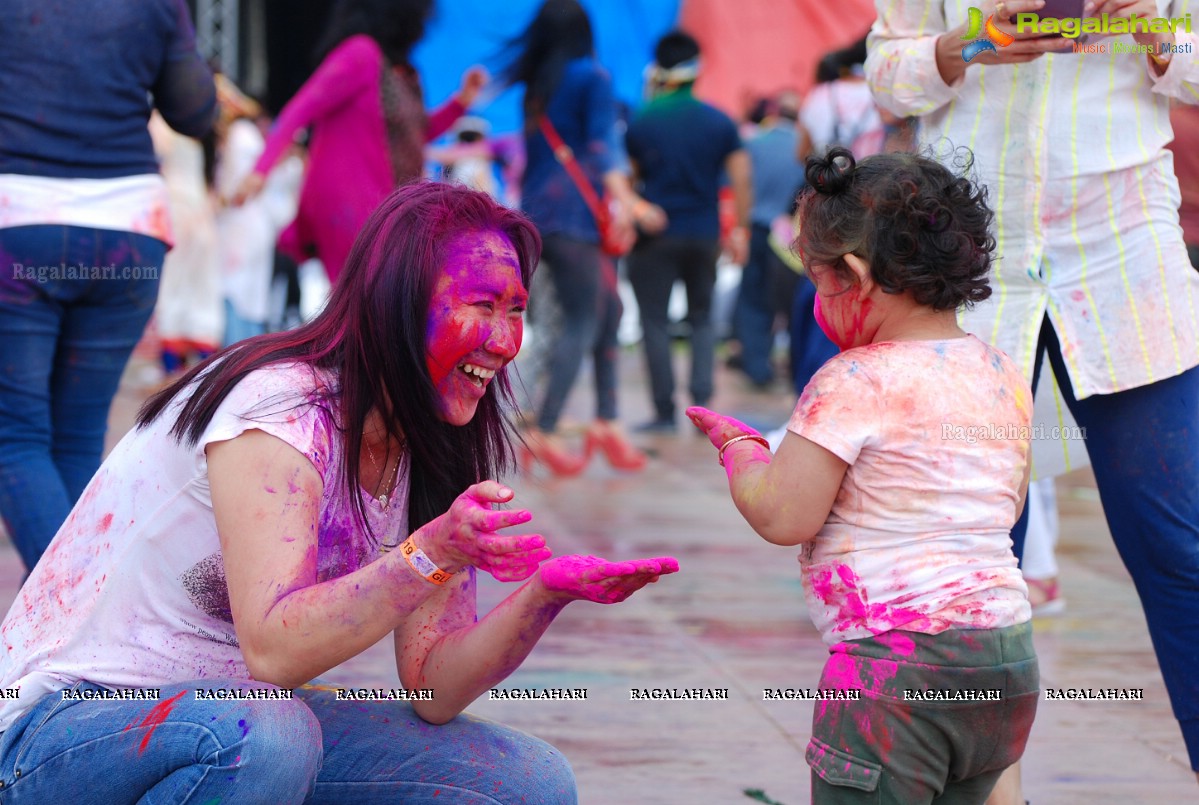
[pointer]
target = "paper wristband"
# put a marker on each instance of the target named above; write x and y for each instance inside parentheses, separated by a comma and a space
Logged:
(423, 564)
(748, 436)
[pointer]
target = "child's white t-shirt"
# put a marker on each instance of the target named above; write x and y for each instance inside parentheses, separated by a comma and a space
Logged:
(131, 592)
(936, 435)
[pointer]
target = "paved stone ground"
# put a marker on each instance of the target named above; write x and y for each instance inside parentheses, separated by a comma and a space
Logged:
(734, 618)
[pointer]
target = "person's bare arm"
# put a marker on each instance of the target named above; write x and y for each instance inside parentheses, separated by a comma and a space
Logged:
(786, 498)
(647, 217)
(443, 649)
(739, 169)
(1145, 9)
(266, 502)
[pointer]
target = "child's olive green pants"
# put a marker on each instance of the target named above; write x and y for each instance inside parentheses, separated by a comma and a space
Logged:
(938, 718)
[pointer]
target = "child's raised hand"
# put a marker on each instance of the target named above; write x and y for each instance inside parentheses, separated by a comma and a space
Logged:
(718, 427)
(590, 578)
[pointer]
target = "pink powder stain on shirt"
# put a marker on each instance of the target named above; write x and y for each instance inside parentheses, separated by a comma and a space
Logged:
(105, 523)
(853, 605)
(157, 715)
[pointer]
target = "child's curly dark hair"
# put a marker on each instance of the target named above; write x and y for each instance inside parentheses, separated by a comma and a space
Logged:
(921, 229)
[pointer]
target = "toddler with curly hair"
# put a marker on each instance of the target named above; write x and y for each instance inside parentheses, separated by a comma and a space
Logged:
(903, 470)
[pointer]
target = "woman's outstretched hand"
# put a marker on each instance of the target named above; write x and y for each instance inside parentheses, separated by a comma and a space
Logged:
(466, 535)
(589, 578)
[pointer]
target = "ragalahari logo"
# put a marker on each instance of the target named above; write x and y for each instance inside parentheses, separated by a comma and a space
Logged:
(991, 35)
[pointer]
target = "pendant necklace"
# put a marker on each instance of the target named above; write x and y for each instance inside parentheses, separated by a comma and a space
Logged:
(384, 497)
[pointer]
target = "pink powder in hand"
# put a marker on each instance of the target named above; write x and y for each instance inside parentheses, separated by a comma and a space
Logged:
(594, 579)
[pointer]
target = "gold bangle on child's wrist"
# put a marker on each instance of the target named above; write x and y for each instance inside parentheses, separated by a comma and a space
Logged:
(750, 436)
(422, 564)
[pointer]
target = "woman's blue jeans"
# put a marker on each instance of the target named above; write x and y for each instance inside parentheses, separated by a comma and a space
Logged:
(312, 749)
(73, 304)
(1144, 448)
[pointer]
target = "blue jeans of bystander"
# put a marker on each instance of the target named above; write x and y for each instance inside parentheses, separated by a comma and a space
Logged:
(73, 304)
(654, 265)
(1144, 447)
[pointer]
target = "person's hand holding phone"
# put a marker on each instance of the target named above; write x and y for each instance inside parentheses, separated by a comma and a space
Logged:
(1143, 9)
(1021, 48)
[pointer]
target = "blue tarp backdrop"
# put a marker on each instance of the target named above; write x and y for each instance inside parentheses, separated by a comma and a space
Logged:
(468, 32)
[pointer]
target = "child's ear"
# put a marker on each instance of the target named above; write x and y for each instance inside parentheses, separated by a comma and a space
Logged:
(861, 272)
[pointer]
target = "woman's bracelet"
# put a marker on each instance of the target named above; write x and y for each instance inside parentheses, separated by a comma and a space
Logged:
(422, 564)
(750, 436)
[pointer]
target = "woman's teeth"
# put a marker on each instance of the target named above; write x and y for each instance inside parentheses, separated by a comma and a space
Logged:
(477, 374)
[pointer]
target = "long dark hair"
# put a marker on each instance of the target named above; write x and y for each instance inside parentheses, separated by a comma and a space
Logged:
(560, 33)
(396, 25)
(372, 335)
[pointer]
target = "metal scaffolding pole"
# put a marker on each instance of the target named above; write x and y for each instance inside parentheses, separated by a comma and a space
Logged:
(217, 35)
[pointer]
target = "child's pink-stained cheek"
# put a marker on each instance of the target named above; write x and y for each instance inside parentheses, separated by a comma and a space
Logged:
(822, 323)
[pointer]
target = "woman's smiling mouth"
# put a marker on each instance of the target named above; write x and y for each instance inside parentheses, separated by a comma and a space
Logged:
(478, 375)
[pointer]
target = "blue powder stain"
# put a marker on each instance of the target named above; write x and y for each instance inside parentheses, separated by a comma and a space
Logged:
(244, 728)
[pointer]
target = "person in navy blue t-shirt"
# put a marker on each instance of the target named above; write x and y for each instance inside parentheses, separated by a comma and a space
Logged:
(681, 149)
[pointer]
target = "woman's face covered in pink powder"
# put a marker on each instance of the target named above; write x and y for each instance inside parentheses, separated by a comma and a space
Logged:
(476, 321)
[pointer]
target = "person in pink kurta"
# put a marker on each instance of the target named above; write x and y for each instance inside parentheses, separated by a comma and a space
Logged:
(368, 128)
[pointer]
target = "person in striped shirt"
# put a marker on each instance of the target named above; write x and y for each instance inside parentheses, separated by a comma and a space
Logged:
(1092, 268)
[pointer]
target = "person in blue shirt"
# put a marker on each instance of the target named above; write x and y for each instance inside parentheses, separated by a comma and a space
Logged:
(555, 62)
(84, 227)
(680, 149)
(767, 284)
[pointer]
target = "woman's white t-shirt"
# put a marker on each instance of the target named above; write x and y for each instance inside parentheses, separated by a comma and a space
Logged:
(131, 592)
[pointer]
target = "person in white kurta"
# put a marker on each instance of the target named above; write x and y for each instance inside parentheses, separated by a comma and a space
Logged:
(1092, 270)
(188, 316)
